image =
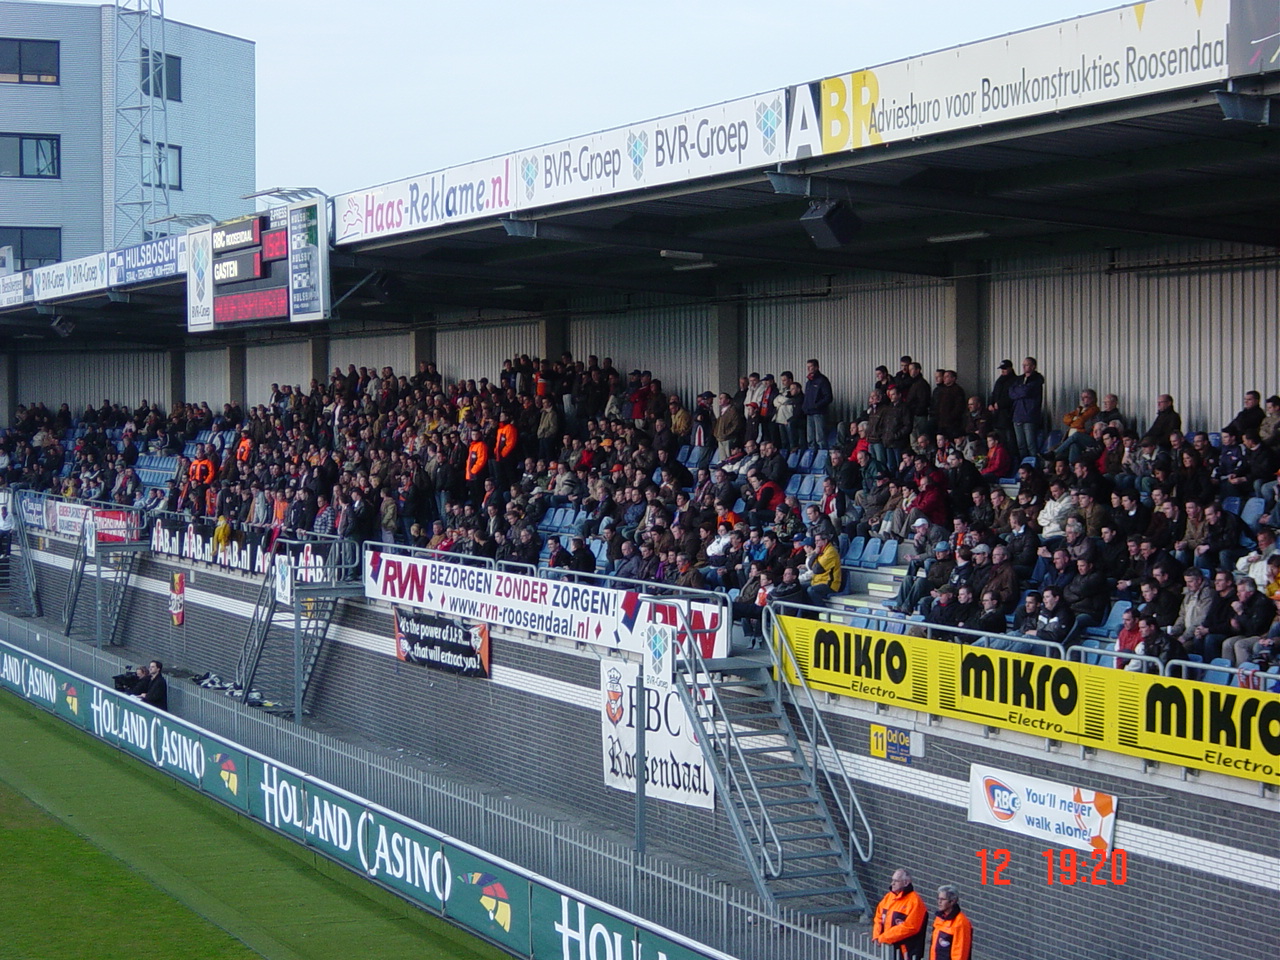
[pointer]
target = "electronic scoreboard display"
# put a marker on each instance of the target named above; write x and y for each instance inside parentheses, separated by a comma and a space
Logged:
(272, 266)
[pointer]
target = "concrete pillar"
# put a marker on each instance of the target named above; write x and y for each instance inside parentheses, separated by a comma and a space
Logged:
(236, 374)
(177, 379)
(319, 362)
(961, 329)
(726, 347)
(422, 347)
(553, 333)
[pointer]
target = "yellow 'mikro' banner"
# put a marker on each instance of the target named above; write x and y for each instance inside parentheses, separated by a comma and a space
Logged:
(1192, 724)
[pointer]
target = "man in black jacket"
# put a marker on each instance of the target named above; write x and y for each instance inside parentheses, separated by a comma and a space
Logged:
(156, 691)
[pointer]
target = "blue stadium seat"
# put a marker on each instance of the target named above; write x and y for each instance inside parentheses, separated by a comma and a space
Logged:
(857, 546)
(1252, 512)
(1091, 644)
(806, 460)
(793, 459)
(793, 485)
(889, 553)
(1111, 627)
(1231, 505)
(1218, 676)
(685, 453)
(820, 460)
(1215, 440)
(809, 487)
(870, 558)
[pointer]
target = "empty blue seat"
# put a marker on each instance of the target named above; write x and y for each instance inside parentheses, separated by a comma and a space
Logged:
(870, 558)
(1090, 644)
(1252, 512)
(1115, 619)
(793, 459)
(793, 485)
(857, 546)
(1215, 439)
(1231, 504)
(1218, 676)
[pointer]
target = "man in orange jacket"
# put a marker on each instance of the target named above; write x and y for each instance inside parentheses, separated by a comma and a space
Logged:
(952, 931)
(900, 918)
(476, 467)
(504, 451)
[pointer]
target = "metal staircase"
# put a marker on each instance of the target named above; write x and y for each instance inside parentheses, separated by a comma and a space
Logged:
(283, 643)
(784, 790)
(78, 562)
(24, 596)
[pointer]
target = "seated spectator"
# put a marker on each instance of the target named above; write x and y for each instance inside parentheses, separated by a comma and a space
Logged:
(823, 563)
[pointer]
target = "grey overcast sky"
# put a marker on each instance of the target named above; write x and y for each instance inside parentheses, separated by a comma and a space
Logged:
(357, 92)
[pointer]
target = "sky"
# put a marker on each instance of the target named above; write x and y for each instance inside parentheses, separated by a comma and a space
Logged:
(351, 94)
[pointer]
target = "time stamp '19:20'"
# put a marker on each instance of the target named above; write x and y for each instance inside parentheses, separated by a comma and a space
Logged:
(1065, 866)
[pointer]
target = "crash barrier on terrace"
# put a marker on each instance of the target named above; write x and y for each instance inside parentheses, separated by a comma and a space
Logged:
(1158, 716)
(482, 862)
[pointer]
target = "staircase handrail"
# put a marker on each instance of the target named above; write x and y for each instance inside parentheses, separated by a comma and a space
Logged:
(768, 843)
(259, 624)
(821, 746)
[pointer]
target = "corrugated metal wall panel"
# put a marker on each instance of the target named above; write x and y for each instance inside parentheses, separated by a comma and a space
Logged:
(672, 342)
(374, 352)
(6, 414)
(474, 352)
(208, 377)
(83, 378)
(849, 328)
(275, 363)
(1205, 336)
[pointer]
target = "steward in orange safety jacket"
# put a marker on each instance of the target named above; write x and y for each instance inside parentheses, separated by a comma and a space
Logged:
(201, 470)
(900, 918)
(505, 445)
(952, 931)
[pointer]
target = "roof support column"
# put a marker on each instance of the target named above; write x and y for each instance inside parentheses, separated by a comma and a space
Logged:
(177, 379)
(961, 328)
(422, 347)
(318, 357)
(726, 346)
(236, 374)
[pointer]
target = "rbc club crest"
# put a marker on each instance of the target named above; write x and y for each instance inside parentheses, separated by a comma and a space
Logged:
(613, 707)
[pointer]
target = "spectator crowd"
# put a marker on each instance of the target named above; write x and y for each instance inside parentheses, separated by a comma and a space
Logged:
(996, 516)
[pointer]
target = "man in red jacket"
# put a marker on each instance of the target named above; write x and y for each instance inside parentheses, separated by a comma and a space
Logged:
(900, 918)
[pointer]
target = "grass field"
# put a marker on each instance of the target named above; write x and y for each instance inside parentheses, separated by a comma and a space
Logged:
(101, 857)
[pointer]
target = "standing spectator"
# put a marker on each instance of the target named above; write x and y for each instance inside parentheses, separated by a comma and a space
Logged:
(1000, 404)
(949, 406)
(952, 931)
(817, 401)
(900, 917)
(1027, 394)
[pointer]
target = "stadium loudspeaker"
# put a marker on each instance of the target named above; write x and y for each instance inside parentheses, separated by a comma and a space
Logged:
(830, 224)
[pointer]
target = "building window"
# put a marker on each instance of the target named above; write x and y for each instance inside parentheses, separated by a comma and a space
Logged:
(161, 165)
(32, 246)
(28, 155)
(28, 61)
(161, 75)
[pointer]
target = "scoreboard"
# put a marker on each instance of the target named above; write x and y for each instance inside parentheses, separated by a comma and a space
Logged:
(269, 267)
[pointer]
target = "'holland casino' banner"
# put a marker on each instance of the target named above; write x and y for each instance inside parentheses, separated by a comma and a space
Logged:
(605, 616)
(1132, 51)
(527, 915)
(1058, 814)
(1185, 722)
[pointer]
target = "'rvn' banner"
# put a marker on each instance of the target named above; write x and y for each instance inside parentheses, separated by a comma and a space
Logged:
(557, 608)
(442, 642)
(1189, 723)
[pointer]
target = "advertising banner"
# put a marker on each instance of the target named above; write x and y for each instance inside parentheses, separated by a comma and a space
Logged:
(200, 279)
(1131, 51)
(738, 135)
(485, 188)
(249, 549)
(674, 768)
(17, 289)
(441, 642)
(308, 260)
(743, 134)
(72, 277)
(1059, 815)
(178, 598)
(559, 608)
(143, 262)
(1186, 722)
(526, 913)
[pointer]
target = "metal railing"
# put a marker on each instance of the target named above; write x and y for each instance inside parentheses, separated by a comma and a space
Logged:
(825, 754)
(683, 899)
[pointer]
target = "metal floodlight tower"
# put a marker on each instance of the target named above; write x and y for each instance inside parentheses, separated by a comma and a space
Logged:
(140, 174)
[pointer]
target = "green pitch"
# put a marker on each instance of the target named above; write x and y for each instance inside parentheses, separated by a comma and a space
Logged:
(117, 861)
